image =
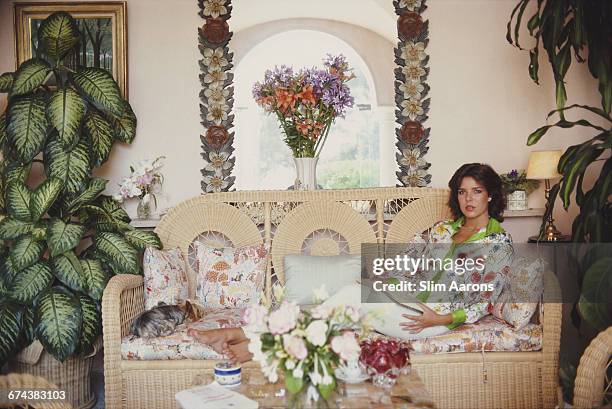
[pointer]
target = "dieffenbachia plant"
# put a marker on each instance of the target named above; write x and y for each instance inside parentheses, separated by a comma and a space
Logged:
(62, 239)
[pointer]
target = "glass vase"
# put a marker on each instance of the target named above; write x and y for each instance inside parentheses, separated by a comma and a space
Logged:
(147, 205)
(309, 397)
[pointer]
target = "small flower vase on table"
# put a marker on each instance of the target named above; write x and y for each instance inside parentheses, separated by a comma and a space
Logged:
(306, 173)
(146, 206)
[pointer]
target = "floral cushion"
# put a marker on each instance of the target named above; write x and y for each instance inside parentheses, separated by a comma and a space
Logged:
(489, 333)
(524, 285)
(179, 345)
(165, 277)
(230, 277)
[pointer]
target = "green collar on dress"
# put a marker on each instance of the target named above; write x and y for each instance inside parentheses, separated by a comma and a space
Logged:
(493, 226)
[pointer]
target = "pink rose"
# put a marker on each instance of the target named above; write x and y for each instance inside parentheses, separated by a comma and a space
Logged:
(255, 318)
(346, 346)
(284, 319)
(295, 346)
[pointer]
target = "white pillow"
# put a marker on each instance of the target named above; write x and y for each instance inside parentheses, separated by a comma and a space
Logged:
(303, 274)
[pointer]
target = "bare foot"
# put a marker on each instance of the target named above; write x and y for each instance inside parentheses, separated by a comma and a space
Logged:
(238, 353)
(217, 338)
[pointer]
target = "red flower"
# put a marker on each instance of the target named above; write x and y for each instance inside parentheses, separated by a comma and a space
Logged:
(475, 278)
(489, 277)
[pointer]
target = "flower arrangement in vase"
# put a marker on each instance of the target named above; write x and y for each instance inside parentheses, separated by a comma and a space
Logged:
(306, 104)
(144, 182)
(517, 188)
(306, 346)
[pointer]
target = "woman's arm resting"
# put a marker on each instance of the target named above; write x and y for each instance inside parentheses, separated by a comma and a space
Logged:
(429, 318)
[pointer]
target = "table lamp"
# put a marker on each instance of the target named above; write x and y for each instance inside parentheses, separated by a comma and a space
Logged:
(543, 166)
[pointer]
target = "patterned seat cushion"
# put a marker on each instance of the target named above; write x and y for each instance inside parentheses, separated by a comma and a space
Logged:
(489, 333)
(179, 345)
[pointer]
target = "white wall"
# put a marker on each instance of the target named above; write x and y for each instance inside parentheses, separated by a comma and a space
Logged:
(483, 103)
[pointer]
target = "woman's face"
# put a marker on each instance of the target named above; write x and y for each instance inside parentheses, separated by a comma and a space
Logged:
(473, 198)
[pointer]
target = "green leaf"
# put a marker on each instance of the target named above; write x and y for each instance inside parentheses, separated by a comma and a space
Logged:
(596, 289)
(6, 81)
(95, 278)
(18, 198)
(57, 35)
(326, 390)
(26, 252)
(595, 110)
(117, 249)
(44, 196)
(62, 237)
(27, 125)
(68, 270)
(100, 135)
(30, 282)
(292, 383)
(66, 110)
(142, 239)
(15, 172)
(124, 126)
(71, 167)
(10, 328)
(11, 229)
(534, 65)
(561, 96)
(30, 75)
(98, 87)
(58, 320)
(96, 186)
(92, 323)
(2, 129)
(114, 209)
(577, 167)
(28, 325)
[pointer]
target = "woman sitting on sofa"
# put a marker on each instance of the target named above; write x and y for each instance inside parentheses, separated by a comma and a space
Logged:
(477, 202)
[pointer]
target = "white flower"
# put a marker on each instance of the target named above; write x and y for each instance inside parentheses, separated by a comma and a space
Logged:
(298, 372)
(413, 71)
(412, 89)
(278, 290)
(217, 113)
(320, 294)
(353, 313)
(216, 95)
(412, 109)
(315, 376)
(316, 332)
(270, 371)
(217, 162)
(411, 5)
(326, 380)
(284, 319)
(215, 8)
(214, 183)
(214, 59)
(321, 312)
(254, 347)
(412, 158)
(295, 347)
(290, 364)
(346, 346)
(215, 77)
(414, 52)
(255, 318)
(415, 178)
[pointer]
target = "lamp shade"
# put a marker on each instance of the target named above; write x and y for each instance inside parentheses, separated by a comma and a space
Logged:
(543, 165)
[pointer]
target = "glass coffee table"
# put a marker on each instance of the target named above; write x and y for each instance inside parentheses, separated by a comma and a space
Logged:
(409, 392)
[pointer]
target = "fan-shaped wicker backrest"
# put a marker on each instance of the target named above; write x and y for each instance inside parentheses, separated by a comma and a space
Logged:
(321, 222)
(593, 384)
(216, 224)
(320, 228)
(416, 217)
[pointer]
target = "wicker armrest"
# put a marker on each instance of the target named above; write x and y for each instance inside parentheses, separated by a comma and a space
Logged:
(551, 327)
(589, 386)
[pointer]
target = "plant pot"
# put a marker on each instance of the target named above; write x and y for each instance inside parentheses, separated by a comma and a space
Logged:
(517, 200)
(72, 376)
(306, 173)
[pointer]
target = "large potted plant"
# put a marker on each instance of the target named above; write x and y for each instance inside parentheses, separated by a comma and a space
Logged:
(61, 238)
(584, 27)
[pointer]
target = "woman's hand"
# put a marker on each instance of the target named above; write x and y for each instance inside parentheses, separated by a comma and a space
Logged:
(429, 318)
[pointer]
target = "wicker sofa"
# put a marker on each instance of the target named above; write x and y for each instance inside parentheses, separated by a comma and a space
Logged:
(320, 223)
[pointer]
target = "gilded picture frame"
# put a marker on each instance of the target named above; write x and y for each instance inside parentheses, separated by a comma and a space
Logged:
(97, 19)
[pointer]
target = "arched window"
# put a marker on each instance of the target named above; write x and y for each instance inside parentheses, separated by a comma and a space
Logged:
(350, 157)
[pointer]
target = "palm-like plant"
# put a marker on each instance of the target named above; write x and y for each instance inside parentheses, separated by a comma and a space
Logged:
(63, 239)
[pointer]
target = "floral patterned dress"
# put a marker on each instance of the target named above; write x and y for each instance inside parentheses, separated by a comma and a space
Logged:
(469, 306)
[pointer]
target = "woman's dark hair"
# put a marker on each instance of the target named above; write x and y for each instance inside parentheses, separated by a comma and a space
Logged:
(484, 174)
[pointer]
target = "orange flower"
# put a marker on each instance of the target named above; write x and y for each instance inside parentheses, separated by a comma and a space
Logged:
(286, 100)
(307, 96)
(221, 265)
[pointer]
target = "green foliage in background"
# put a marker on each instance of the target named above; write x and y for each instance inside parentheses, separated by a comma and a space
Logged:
(62, 239)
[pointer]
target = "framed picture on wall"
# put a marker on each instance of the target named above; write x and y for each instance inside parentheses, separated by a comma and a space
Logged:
(103, 27)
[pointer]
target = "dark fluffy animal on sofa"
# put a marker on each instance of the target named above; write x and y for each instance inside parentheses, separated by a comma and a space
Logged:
(162, 320)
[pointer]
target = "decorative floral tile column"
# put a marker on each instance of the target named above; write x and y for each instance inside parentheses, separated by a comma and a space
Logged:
(217, 95)
(411, 92)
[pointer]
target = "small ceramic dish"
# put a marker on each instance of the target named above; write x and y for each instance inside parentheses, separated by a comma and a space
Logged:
(228, 374)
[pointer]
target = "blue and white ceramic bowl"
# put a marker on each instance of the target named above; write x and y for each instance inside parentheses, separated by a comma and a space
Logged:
(228, 374)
